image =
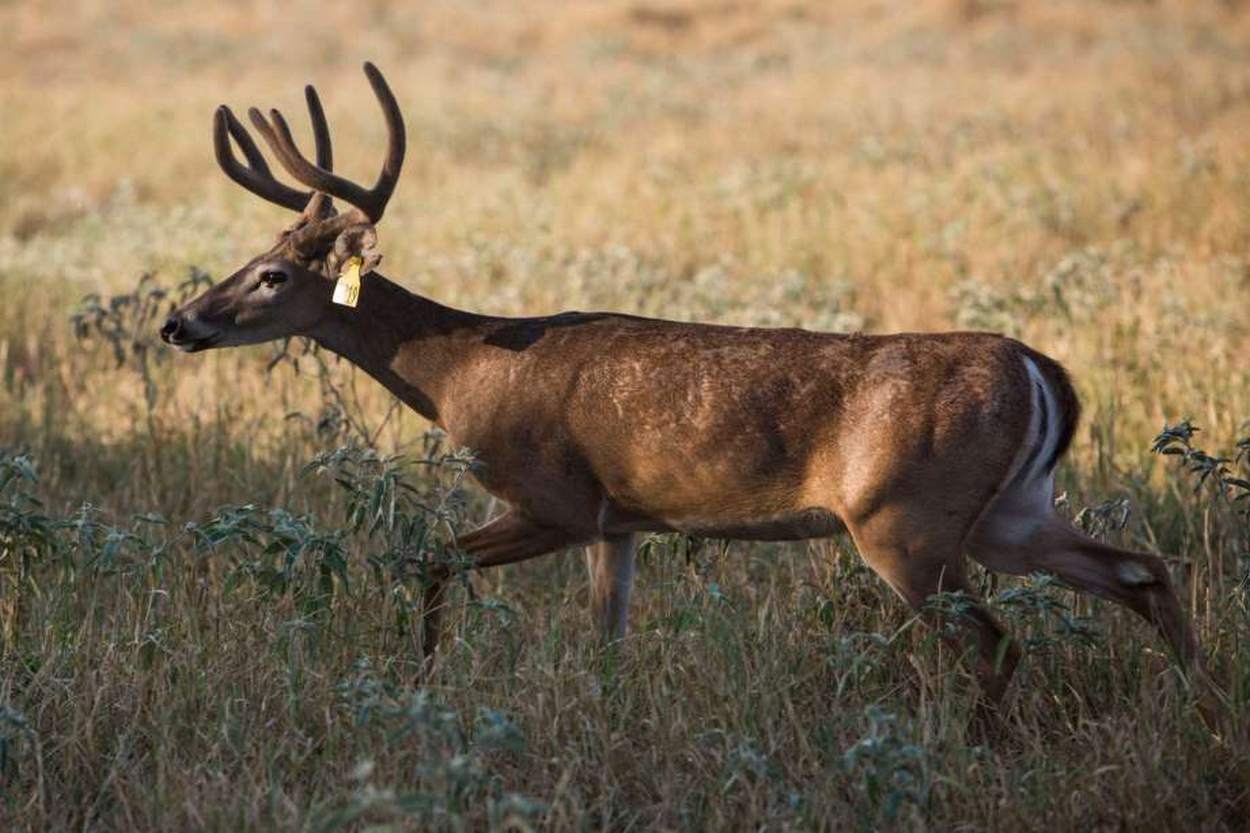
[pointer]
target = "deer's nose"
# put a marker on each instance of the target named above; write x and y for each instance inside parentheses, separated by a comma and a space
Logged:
(171, 329)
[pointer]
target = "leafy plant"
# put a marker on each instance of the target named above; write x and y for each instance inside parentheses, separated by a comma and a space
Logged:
(890, 770)
(1215, 472)
(1224, 479)
(27, 536)
(283, 552)
(1048, 621)
(128, 322)
(1101, 519)
(409, 523)
(449, 787)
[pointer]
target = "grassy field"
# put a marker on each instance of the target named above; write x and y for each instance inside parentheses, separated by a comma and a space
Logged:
(198, 630)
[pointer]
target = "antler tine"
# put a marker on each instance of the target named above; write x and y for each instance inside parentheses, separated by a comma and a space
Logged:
(372, 201)
(255, 176)
(321, 130)
(396, 138)
(255, 159)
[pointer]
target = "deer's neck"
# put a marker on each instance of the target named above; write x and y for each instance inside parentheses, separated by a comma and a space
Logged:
(408, 343)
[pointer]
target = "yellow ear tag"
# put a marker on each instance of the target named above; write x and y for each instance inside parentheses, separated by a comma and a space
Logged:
(347, 288)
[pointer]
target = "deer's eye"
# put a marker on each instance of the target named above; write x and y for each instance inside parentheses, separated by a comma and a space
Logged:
(272, 277)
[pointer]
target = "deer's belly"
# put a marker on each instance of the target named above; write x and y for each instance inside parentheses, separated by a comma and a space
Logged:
(811, 522)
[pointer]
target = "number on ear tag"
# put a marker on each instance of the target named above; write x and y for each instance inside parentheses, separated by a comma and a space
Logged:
(347, 288)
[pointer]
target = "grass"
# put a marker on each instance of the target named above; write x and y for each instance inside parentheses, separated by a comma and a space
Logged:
(199, 632)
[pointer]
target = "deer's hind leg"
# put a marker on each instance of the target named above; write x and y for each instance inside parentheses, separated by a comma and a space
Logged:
(1020, 544)
(920, 560)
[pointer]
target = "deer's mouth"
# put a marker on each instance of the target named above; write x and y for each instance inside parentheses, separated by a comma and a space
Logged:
(194, 345)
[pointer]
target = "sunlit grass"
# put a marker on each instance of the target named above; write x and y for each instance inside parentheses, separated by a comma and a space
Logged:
(197, 633)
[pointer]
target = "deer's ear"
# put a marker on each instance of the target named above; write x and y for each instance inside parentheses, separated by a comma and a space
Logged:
(357, 240)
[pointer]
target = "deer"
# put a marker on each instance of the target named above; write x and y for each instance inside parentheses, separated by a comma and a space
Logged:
(593, 428)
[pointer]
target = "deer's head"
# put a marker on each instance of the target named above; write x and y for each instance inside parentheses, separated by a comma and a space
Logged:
(287, 290)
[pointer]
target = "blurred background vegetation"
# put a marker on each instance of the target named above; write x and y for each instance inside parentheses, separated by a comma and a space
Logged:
(197, 635)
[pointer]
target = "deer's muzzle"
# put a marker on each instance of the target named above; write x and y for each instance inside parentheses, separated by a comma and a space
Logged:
(188, 335)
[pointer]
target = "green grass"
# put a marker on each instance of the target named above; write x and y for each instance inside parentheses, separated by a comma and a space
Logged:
(1074, 175)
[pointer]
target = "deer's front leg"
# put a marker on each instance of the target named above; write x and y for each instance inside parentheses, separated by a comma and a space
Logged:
(506, 540)
(611, 566)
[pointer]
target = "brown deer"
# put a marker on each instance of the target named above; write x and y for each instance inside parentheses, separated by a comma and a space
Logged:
(594, 427)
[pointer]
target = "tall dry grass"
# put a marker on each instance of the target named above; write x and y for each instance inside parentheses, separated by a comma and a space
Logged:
(1072, 173)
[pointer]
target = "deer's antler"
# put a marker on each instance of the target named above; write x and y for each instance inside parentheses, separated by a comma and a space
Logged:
(371, 202)
(256, 176)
